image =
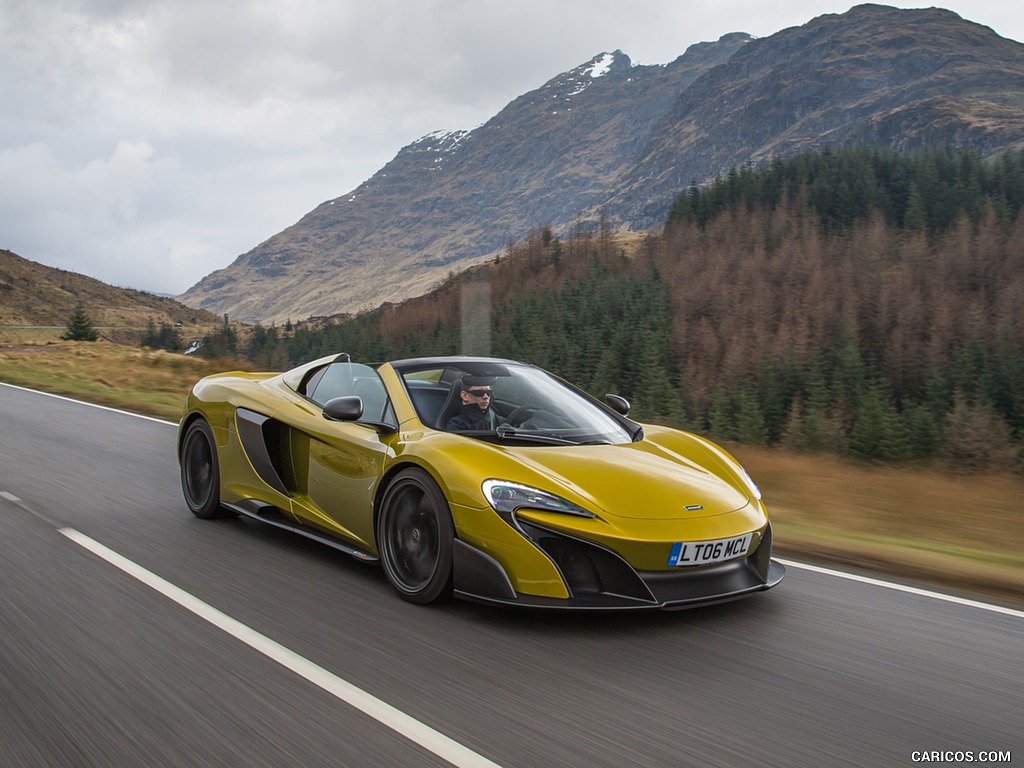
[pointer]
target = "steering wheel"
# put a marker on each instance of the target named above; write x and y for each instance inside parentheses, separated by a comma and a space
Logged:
(522, 413)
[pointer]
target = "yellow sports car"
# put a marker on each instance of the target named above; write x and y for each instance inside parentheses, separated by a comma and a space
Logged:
(488, 479)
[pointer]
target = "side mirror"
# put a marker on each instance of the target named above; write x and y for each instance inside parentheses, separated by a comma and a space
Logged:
(618, 404)
(348, 408)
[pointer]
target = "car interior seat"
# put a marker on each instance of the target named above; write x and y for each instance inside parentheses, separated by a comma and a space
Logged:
(451, 406)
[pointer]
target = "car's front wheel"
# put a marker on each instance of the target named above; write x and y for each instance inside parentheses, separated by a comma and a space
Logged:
(415, 536)
(200, 471)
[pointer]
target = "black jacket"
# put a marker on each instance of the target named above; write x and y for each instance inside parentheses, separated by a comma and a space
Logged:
(470, 417)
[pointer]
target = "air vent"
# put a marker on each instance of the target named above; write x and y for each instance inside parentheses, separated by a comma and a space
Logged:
(588, 569)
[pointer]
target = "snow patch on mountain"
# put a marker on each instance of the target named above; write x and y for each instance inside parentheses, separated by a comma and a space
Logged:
(600, 67)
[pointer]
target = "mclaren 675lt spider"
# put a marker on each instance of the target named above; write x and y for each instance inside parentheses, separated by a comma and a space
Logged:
(486, 479)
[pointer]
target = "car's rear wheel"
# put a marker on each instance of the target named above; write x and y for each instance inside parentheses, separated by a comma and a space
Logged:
(200, 471)
(415, 537)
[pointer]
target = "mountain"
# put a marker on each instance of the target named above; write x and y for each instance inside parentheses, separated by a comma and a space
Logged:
(613, 142)
(452, 198)
(874, 75)
(34, 294)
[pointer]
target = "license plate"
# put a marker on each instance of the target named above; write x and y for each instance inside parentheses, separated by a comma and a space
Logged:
(705, 552)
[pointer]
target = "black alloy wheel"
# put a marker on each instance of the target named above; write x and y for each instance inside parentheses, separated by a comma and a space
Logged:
(415, 537)
(200, 471)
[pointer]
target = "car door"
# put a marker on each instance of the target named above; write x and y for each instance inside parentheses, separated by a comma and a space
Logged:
(343, 461)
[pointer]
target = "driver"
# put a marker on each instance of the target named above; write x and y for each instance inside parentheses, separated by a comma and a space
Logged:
(476, 412)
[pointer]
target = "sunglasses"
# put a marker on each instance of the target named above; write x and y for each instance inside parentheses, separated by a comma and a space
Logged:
(479, 392)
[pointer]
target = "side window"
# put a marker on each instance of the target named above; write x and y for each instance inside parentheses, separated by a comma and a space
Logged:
(343, 379)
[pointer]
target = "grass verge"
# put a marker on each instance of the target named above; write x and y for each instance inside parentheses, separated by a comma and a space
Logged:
(921, 524)
(151, 382)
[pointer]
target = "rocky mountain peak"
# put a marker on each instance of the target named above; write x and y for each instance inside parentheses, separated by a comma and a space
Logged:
(614, 141)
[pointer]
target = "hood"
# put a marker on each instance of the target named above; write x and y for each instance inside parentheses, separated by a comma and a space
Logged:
(640, 480)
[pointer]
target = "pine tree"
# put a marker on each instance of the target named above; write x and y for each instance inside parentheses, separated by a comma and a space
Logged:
(150, 336)
(877, 432)
(721, 420)
(922, 431)
(169, 338)
(221, 343)
(750, 423)
(166, 337)
(79, 326)
(975, 438)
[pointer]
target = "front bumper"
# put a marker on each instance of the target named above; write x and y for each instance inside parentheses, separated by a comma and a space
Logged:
(598, 579)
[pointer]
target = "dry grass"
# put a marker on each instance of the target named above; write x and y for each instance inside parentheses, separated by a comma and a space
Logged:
(146, 381)
(961, 533)
(965, 532)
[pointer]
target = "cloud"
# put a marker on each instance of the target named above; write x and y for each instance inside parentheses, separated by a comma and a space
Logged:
(56, 208)
(150, 142)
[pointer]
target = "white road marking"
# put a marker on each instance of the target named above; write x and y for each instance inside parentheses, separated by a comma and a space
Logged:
(91, 405)
(903, 588)
(412, 729)
(10, 497)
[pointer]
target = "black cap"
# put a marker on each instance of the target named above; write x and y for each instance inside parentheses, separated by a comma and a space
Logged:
(477, 381)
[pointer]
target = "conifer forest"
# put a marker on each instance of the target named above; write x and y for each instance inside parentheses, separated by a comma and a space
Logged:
(859, 301)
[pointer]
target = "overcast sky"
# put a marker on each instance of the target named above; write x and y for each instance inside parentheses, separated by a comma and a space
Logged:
(149, 142)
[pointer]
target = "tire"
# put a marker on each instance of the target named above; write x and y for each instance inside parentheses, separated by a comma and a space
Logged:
(200, 471)
(415, 536)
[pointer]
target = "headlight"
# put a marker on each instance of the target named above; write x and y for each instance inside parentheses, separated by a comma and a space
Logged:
(505, 496)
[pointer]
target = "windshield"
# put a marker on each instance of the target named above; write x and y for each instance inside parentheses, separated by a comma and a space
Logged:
(509, 402)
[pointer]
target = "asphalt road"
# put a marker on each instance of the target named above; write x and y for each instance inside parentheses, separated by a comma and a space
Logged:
(133, 634)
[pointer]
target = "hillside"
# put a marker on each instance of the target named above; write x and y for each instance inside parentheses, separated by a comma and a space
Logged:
(34, 294)
(615, 142)
(452, 198)
(782, 306)
(872, 76)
